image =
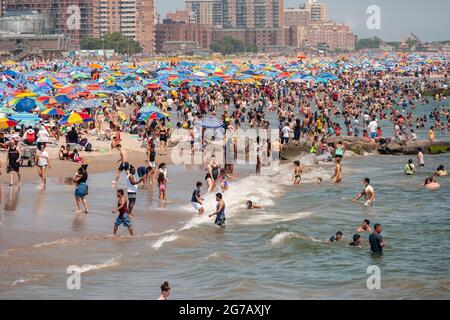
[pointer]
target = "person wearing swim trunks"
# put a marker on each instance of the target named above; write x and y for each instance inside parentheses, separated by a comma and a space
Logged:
(368, 193)
(197, 200)
(124, 165)
(220, 211)
(420, 157)
(132, 184)
(298, 170)
(122, 208)
(142, 172)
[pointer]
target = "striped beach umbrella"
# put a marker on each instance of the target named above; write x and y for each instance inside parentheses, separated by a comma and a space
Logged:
(75, 118)
(153, 115)
(211, 122)
(6, 123)
(53, 112)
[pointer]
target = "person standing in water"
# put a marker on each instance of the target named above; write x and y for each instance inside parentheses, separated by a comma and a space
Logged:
(337, 177)
(368, 193)
(220, 211)
(410, 170)
(12, 163)
(376, 241)
(124, 165)
(122, 208)
(197, 200)
(43, 162)
(298, 170)
(132, 184)
(420, 157)
(81, 190)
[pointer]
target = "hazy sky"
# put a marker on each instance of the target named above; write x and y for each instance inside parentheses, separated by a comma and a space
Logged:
(427, 19)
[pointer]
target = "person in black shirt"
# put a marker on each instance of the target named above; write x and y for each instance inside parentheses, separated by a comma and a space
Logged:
(376, 241)
(357, 241)
(12, 162)
(197, 200)
(336, 237)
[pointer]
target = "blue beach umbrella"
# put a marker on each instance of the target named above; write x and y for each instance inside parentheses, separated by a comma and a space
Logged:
(25, 105)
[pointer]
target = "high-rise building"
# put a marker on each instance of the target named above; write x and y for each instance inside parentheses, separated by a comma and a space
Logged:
(253, 14)
(319, 11)
(184, 16)
(62, 16)
(297, 17)
(206, 11)
(132, 18)
(200, 35)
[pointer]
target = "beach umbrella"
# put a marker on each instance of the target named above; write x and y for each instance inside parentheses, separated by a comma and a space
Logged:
(6, 110)
(25, 105)
(153, 115)
(211, 122)
(75, 118)
(95, 66)
(25, 117)
(53, 112)
(149, 108)
(63, 99)
(6, 123)
(153, 86)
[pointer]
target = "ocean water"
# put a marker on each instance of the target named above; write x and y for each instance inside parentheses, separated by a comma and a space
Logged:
(279, 252)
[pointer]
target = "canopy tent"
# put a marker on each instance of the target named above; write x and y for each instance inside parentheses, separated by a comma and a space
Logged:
(211, 122)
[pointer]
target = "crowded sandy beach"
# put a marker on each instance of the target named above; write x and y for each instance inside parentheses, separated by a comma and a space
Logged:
(148, 165)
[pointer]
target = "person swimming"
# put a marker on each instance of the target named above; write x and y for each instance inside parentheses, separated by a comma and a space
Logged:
(337, 237)
(357, 241)
(319, 180)
(365, 226)
(440, 171)
(298, 170)
(250, 205)
(430, 184)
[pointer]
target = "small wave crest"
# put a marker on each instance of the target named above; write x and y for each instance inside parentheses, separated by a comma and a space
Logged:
(163, 240)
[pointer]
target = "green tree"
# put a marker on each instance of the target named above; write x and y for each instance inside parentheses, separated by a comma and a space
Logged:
(229, 45)
(369, 43)
(112, 41)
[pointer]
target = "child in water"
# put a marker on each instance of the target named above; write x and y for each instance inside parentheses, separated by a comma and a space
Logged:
(162, 186)
(250, 205)
(223, 177)
(298, 170)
